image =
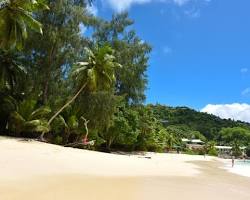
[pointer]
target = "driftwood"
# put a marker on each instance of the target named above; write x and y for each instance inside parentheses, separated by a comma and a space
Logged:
(86, 126)
(80, 144)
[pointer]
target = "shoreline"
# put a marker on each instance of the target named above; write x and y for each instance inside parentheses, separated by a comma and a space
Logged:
(240, 168)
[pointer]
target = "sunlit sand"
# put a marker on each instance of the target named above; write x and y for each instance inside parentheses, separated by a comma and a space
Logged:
(34, 170)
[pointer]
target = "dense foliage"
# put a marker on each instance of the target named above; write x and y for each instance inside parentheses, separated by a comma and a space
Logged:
(66, 85)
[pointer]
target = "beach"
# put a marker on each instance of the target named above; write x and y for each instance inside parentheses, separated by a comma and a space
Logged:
(35, 170)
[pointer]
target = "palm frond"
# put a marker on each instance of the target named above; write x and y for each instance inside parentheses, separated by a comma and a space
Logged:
(36, 126)
(16, 122)
(40, 113)
(73, 122)
(26, 108)
(16, 18)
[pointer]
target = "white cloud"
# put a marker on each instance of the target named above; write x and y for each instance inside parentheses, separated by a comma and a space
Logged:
(234, 111)
(122, 5)
(244, 70)
(92, 9)
(181, 2)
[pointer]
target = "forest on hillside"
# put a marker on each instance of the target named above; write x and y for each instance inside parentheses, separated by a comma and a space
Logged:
(62, 85)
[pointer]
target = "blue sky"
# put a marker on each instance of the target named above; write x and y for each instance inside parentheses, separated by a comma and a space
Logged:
(201, 49)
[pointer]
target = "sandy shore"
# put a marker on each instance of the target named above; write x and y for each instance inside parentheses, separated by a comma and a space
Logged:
(34, 170)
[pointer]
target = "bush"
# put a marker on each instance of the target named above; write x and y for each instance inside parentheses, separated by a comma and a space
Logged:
(190, 152)
(58, 140)
(213, 152)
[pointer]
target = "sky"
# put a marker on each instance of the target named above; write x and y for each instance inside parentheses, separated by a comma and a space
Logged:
(201, 51)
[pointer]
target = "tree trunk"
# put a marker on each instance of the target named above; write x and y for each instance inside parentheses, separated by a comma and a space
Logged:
(4, 4)
(62, 108)
(51, 60)
(86, 126)
(45, 91)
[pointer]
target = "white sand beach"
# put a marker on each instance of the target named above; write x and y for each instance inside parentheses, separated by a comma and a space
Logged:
(35, 170)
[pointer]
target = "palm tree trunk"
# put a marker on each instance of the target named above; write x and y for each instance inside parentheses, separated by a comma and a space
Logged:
(62, 108)
(4, 4)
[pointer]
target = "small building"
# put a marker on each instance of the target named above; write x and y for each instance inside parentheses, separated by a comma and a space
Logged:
(193, 143)
(226, 151)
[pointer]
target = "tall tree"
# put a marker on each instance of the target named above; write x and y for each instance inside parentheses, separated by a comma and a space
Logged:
(52, 55)
(132, 53)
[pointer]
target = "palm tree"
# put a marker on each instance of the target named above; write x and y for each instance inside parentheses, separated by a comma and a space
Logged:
(97, 74)
(170, 141)
(236, 151)
(16, 16)
(28, 119)
(11, 70)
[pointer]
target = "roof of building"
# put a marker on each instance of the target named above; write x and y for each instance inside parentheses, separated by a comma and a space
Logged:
(197, 141)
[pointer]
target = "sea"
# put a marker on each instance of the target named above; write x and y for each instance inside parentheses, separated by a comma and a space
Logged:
(241, 167)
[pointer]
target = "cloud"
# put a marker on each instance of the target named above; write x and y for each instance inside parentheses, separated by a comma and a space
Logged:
(234, 111)
(123, 5)
(245, 92)
(92, 10)
(244, 70)
(193, 13)
(181, 2)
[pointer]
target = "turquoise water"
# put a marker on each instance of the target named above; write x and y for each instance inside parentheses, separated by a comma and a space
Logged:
(241, 162)
(241, 167)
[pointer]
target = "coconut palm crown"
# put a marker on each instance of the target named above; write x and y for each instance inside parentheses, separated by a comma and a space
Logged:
(16, 17)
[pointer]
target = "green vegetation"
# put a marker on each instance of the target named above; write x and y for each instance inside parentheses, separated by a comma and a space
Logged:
(248, 151)
(15, 18)
(64, 86)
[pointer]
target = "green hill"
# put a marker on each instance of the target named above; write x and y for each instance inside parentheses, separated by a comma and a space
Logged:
(190, 119)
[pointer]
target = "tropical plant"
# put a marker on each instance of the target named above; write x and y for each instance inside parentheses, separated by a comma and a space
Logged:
(68, 126)
(170, 142)
(210, 149)
(236, 151)
(123, 130)
(132, 53)
(29, 119)
(16, 16)
(97, 74)
(7, 105)
(52, 54)
(248, 151)
(235, 135)
(11, 70)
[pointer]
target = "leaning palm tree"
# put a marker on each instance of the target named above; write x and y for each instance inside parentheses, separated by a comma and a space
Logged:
(97, 74)
(16, 16)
